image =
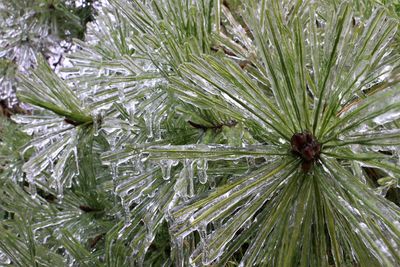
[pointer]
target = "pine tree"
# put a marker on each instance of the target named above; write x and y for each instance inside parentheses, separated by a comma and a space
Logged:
(211, 133)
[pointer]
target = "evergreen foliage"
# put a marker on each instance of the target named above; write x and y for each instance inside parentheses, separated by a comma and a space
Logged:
(211, 133)
(36, 27)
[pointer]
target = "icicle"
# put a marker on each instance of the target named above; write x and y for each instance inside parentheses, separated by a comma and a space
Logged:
(184, 185)
(114, 166)
(58, 172)
(157, 129)
(136, 168)
(121, 93)
(114, 176)
(15, 177)
(75, 151)
(203, 232)
(51, 164)
(203, 238)
(190, 173)
(202, 166)
(148, 118)
(181, 184)
(60, 191)
(212, 182)
(166, 166)
(96, 122)
(94, 90)
(149, 220)
(132, 110)
(32, 190)
(74, 142)
(126, 212)
(32, 186)
(140, 165)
